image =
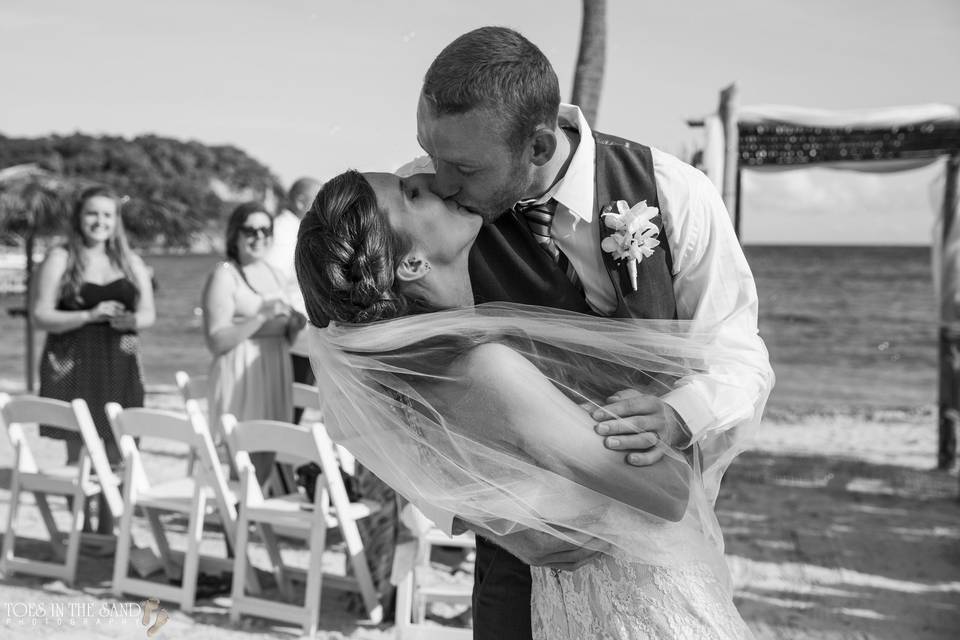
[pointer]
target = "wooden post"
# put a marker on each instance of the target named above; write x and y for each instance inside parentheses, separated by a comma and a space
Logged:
(737, 200)
(28, 303)
(731, 151)
(949, 352)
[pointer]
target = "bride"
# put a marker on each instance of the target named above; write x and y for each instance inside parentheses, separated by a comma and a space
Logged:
(480, 411)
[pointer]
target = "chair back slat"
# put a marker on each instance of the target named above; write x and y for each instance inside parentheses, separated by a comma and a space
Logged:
(18, 439)
(306, 396)
(156, 423)
(292, 443)
(34, 409)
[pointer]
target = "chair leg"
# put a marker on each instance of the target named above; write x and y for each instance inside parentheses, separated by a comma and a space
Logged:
(420, 603)
(59, 551)
(287, 477)
(122, 560)
(191, 463)
(311, 600)
(10, 535)
(191, 560)
(240, 564)
(404, 607)
(358, 559)
(253, 582)
(284, 585)
(73, 540)
(170, 567)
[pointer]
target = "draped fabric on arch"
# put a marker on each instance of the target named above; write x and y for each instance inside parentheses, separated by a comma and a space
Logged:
(854, 119)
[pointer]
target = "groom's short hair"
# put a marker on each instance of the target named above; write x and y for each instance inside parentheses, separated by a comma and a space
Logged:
(495, 68)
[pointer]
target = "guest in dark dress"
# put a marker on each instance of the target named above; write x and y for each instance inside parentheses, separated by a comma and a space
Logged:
(93, 295)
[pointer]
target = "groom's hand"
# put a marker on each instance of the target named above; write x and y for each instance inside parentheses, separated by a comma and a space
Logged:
(636, 422)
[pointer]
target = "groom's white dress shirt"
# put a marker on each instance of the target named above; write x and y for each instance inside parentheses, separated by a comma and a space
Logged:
(712, 281)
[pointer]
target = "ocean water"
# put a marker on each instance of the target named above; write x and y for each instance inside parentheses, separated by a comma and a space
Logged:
(849, 329)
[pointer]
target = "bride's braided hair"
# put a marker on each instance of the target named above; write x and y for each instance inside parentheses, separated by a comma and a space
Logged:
(347, 255)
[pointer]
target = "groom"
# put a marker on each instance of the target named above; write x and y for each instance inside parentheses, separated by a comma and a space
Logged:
(501, 145)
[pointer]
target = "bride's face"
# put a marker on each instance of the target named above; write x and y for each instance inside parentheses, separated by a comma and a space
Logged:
(442, 229)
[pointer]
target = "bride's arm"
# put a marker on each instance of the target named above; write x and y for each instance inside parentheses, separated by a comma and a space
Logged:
(508, 400)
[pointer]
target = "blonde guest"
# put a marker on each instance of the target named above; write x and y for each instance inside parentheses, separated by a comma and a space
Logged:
(249, 326)
(93, 296)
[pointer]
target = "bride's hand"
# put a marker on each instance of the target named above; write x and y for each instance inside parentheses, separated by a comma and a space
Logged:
(635, 422)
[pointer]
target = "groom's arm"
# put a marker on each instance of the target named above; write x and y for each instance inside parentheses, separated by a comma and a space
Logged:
(714, 287)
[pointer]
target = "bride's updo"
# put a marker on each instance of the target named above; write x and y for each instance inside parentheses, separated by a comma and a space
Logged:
(347, 255)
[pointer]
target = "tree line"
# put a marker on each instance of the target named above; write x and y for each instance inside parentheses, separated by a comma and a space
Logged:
(175, 188)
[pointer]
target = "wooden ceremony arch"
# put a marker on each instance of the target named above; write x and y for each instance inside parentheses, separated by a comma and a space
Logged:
(765, 142)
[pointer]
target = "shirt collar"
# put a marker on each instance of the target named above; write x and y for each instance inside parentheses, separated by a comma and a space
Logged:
(575, 189)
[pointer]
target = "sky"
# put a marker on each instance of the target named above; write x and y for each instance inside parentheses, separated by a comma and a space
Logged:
(313, 87)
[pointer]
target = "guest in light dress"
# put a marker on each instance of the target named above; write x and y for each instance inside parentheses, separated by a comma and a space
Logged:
(249, 326)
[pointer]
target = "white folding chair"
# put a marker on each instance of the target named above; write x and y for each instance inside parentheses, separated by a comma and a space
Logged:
(216, 463)
(330, 508)
(73, 481)
(204, 494)
(411, 559)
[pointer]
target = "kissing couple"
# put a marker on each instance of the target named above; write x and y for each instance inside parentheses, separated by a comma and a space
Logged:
(546, 335)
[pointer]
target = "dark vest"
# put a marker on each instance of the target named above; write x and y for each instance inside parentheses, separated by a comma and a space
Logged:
(507, 264)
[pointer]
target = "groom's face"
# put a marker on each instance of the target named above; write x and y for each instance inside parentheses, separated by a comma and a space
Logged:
(473, 164)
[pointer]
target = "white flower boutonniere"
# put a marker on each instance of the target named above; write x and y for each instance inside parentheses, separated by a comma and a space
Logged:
(634, 235)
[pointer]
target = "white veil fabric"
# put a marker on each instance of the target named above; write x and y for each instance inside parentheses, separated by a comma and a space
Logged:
(399, 396)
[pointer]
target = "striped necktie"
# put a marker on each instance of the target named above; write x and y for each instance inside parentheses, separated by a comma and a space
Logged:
(539, 217)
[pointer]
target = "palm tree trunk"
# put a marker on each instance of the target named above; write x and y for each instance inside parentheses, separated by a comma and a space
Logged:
(588, 79)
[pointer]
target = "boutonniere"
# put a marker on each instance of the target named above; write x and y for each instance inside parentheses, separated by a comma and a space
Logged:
(634, 234)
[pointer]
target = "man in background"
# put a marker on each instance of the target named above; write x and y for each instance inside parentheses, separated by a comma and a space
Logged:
(286, 224)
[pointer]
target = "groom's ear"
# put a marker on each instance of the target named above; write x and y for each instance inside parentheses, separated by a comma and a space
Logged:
(412, 268)
(543, 145)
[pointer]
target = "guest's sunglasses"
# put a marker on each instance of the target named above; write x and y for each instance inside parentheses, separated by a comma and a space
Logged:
(254, 232)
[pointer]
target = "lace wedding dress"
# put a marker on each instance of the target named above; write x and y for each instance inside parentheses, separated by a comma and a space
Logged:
(612, 599)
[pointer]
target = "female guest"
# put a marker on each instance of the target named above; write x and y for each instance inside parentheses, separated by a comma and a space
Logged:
(249, 326)
(93, 295)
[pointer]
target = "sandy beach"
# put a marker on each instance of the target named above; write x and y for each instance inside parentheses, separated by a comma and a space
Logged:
(837, 527)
